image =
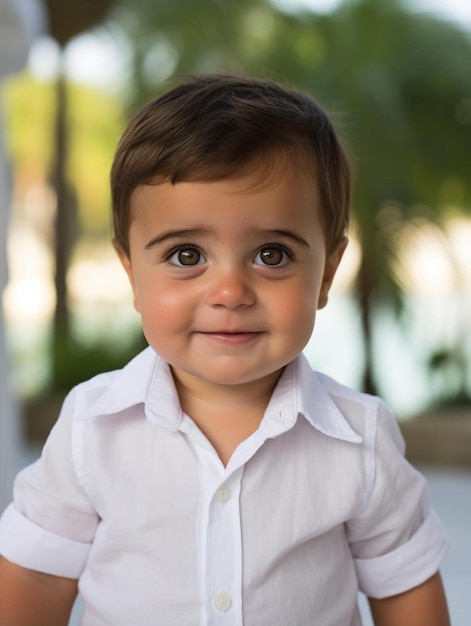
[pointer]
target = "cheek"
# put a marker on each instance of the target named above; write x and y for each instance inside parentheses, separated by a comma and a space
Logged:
(296, 310)
(164, 307)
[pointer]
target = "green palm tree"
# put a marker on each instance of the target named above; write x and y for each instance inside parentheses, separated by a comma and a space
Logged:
(400, 80)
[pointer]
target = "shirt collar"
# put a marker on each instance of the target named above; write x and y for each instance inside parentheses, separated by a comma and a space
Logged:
(301, 391)
(147, 380)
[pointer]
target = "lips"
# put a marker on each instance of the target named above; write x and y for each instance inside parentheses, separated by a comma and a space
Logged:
(232, 337)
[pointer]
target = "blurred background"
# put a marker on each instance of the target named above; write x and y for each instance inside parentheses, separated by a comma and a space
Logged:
(396, 79)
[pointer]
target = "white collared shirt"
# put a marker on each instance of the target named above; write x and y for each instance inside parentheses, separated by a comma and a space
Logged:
(130, 497)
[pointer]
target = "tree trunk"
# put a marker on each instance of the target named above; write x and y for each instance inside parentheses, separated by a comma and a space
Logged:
(64, 225)
(365, 287)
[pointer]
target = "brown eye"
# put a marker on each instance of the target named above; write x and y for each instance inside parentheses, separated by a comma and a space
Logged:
(187, 257)
(271, 256)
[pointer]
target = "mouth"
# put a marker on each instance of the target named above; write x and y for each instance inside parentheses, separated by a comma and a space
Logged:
(232, 337)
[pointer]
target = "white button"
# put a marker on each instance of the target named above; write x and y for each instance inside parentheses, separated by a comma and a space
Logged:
(222, 601)
(223, 494)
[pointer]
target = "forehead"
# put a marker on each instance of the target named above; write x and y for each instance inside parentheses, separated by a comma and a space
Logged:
(232, 208)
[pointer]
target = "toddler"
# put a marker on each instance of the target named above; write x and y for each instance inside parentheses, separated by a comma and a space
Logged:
(216, 479)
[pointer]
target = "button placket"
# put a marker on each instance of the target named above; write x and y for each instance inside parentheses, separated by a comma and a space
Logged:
(224, 554)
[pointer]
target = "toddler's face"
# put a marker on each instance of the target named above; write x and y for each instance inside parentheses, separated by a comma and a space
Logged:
(228, 275)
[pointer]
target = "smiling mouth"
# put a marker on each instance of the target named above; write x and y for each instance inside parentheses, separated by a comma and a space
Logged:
(232, 337)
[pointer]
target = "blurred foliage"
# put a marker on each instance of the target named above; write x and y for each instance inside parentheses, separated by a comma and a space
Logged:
(30, 106)
(95, 120)
(448, 376)
(90, 360)
(397, 84)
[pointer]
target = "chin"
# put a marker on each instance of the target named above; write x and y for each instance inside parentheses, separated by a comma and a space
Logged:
(230, 379)
(234, 376)
(220, 374)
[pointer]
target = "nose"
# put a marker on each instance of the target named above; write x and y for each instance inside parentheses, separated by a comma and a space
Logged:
(231, 289)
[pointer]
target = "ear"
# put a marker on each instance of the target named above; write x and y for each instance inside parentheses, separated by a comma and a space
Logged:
(127, 265)
(331, 265)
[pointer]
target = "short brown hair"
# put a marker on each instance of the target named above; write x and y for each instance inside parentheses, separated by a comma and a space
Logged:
(211, 127)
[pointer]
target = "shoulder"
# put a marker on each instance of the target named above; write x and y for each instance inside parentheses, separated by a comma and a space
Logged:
(365, 412)
(334, 406)
(344, 393)
(114, 391)
(309, 380)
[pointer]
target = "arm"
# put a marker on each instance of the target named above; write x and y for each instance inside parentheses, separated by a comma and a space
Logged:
(424, 605)
(31, 598)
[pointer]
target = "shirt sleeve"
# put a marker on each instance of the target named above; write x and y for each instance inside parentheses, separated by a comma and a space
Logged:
(51, 523)
(396, 540)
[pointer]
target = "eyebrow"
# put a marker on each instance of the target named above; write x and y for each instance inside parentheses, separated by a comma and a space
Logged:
(288, 234)
(194, 232)
(174, 234)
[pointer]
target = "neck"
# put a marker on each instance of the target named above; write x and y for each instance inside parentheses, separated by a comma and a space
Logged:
(225, 414)
(194, 391)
